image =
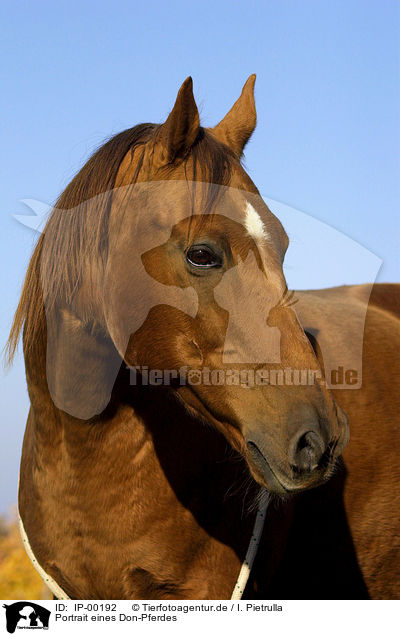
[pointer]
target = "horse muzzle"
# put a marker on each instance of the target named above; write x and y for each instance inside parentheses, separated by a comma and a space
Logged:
(308, 462)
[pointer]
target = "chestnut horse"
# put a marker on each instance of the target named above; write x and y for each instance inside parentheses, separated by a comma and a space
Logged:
(158, 335)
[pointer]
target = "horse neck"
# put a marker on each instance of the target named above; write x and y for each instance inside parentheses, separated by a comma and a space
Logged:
(149, 463)
(138, 422)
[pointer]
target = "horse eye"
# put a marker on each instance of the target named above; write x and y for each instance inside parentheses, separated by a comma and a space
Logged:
(203, 256)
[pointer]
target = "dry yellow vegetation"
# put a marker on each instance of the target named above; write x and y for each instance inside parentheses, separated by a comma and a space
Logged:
(18, 578)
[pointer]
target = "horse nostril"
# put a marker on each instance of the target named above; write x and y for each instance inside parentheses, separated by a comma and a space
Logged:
(306, 450)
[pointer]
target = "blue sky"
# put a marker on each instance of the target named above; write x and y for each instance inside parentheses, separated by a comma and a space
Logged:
(326, 144)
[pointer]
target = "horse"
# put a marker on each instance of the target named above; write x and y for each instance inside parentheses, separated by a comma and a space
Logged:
(165, 439)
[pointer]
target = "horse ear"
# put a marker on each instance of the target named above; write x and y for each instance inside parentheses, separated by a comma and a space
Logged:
(237, 126)
(177, 135)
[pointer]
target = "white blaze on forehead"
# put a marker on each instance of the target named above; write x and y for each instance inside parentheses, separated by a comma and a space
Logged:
(254, 225)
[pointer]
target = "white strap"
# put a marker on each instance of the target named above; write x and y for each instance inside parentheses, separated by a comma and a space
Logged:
(240, 583)
(252, 549)
(50, 582)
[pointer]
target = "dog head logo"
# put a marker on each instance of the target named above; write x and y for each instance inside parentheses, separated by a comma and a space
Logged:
(26, 615)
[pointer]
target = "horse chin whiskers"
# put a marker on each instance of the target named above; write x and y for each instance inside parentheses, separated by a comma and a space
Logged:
(262, 497)
(333, 468)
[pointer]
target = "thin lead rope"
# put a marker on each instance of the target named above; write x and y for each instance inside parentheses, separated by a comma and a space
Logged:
(240, 583)
(50, 582)
(252, 549)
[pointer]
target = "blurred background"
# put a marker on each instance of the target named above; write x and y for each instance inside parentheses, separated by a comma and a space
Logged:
(325, 153)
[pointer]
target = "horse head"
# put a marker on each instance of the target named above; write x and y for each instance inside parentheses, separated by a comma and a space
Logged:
(188, 284)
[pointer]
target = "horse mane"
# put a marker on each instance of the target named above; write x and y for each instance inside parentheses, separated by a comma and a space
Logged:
(74, 235)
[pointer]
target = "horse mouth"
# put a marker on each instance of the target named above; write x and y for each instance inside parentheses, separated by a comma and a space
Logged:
(262, 469)
(275, 482)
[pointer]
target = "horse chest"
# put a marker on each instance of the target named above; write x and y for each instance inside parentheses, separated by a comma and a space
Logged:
(128, 529)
